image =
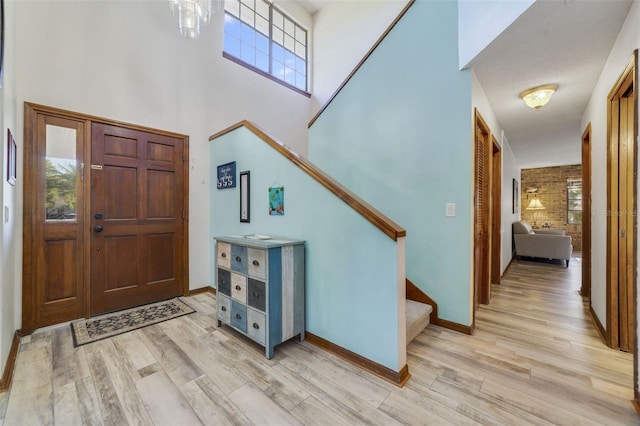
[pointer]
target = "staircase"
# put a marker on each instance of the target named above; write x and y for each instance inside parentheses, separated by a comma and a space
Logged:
(420, 311)
(418, 316)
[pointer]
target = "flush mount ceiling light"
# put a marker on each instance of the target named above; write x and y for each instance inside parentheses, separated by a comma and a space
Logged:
(537, 97)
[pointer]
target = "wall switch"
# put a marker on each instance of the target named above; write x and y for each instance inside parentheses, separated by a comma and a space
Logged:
(450, 210)
(6, 214)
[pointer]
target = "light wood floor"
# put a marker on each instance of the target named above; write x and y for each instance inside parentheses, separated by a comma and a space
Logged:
(535, 359)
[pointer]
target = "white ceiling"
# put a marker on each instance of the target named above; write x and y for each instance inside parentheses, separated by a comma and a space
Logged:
(553, 42)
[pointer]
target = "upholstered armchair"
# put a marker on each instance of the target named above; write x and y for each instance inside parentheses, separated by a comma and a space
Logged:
(542, 243)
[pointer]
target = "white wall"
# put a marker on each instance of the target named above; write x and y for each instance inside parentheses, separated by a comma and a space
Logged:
(481, 21)
(10, 232)
(126, 61)
(596, 112)
(510, 169)
(343, 32)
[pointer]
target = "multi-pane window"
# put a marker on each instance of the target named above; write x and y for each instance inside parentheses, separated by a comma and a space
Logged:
(574, 200)
(260, 35)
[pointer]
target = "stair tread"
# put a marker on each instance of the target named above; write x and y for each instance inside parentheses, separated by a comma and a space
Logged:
(418, 316)
(415, 309)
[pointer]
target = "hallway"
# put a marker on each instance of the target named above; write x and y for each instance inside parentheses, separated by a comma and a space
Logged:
(535, 357)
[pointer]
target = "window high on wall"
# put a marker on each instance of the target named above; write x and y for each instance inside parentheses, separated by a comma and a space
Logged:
(262, 37)
(574, 200)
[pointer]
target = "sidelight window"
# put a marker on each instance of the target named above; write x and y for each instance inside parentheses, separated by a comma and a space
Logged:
(61, 173)
(574, 201)
(262, 37)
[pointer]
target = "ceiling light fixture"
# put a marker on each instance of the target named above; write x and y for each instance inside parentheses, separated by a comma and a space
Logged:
(537, 97)
(191, 12)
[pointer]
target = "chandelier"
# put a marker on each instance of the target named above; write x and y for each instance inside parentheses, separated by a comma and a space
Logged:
(192, 12)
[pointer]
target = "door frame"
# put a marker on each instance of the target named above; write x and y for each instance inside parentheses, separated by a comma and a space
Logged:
(585, 289)
(31, 111)
(626, 81)
(496, 211)
(484, 287)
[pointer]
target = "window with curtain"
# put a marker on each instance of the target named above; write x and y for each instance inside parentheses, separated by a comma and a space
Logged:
(574, 200)
(262, 37)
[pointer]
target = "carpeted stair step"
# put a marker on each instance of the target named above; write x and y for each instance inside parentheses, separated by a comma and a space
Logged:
(417, 318)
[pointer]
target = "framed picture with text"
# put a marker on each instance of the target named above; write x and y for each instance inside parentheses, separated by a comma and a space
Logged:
(227, 175)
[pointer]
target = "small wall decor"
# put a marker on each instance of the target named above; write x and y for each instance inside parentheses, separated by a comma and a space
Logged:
(11, 158)
(516, 197)
(227, 175)
(245, 204)
(276, 200)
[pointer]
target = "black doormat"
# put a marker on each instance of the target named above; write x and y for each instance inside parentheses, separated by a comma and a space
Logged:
(108, 325)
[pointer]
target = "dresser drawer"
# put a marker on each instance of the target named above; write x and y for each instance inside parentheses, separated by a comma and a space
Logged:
(239, 258)
(224, 282)
(257, 260)
(224, 308)
(256, 326)
(256, 294)
(224, 255)
(239, 316)
(239, 287)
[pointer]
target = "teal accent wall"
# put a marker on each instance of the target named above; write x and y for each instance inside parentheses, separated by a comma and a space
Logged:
(399, 135)
(351, 266)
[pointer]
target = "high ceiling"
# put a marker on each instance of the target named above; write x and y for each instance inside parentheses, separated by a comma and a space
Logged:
(563, 42)
(553, 42)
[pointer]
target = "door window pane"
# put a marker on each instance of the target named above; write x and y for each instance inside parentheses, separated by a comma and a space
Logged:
(61, 176)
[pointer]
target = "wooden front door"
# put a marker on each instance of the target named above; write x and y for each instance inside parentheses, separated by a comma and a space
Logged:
(137, 199)
(105, 207)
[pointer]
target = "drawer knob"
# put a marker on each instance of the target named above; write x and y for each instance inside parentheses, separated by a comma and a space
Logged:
(223, 308)
(222, 281)
(256, 295)
(238, 259)
(256, 326)
(238, 316)
(256, 263)
(238, 288)
(223, 255)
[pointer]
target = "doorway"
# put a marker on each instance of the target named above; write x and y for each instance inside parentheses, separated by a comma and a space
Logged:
(482, 209)
(621, 207)
(585, 290)
(105, 211)
(496, 210)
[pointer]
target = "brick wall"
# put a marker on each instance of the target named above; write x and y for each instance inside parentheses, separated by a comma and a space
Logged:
(552, 192)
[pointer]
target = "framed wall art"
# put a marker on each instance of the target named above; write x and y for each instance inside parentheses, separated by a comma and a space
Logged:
(245, 192)
(276, 200)
(12, 157)
(227, 175)
(516, 196)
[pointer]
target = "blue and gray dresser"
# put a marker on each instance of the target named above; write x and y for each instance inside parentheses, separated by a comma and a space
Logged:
(260, 288)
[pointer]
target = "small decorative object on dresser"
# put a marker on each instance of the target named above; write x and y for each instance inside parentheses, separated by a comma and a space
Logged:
(260, 282)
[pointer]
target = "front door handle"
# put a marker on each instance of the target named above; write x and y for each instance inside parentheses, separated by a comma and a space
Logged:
(98, 228)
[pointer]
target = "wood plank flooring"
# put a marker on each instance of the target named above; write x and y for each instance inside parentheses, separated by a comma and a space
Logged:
(535, 359)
